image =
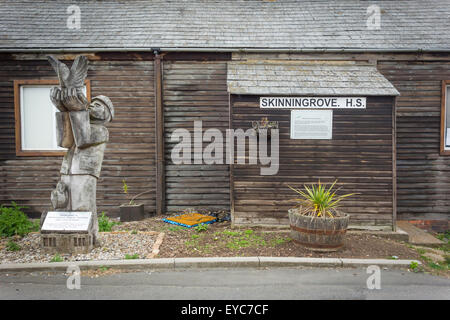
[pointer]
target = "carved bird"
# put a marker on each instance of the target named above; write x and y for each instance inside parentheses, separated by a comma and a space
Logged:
(73, 78)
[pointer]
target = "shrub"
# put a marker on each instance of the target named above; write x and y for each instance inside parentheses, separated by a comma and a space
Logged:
(105, 224)
(13, 221)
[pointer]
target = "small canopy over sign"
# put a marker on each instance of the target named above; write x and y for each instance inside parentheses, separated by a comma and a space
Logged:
(303, 78)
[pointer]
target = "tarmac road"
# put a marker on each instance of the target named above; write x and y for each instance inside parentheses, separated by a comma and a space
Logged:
(230, 284)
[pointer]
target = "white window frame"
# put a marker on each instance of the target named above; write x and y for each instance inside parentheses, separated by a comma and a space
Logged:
(19, 86)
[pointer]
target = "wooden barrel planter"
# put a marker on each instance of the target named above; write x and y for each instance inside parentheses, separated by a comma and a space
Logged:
(316, 233)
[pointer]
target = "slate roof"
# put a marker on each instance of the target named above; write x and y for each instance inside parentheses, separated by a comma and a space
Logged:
(265, 78)
(225, 25)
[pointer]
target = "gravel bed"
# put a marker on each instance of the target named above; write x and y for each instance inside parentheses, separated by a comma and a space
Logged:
(113, 246)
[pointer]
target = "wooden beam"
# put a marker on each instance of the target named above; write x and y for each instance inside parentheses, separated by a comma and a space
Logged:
(230, 126)
(394, 165)
(159, 125)
(443, 151)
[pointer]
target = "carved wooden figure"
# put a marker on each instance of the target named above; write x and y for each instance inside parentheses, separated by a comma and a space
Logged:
(80, 129)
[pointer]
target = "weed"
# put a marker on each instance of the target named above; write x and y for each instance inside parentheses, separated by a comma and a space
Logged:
(231, 233)
(414, 265)
(195, 236)
(131, 256)
(444, 236)
(245, 240)
(12, 246)
(104, 268)
(201, 227)
(176, 228)
(134, 232)
(436, 266)
(105, 224)
(421, 251)
(278, 241)
(57, 258)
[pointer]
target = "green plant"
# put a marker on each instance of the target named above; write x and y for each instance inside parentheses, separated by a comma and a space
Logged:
(319, 201)
(13, 221)
(436, 266)
(104, 268)
(12, 246)
(57, 258)
(132, 256)
(414, 265)
(278, 241)
(201, 227)
(176, 228)
(125, 190)
(134, 232)
(105, 224)
(231, 233)
(444, 236)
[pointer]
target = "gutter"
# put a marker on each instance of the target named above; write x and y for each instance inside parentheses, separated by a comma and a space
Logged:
(246, 50)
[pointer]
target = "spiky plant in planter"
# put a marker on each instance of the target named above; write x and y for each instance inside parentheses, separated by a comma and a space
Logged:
(317, 221)
(132, 211)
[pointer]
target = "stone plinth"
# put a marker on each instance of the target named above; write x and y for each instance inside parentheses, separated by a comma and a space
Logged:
(68, 232)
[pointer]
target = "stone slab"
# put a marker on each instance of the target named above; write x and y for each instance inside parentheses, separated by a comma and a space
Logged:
(216, 262)
(418, 236)
(299, 261)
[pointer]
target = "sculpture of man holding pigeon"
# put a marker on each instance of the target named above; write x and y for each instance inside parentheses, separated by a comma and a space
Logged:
(80, 129)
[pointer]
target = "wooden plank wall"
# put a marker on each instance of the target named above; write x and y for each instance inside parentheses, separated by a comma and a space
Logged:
(359, 156)
(129, 155)
(195, 90)
(423, 188)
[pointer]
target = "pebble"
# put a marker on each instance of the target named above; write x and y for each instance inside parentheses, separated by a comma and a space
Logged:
(113, 246)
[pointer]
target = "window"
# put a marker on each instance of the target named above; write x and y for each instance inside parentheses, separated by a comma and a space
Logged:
(445, 118)
(35, 118)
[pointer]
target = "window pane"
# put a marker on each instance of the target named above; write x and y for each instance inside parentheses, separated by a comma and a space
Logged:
(37, 113)
(38, 123)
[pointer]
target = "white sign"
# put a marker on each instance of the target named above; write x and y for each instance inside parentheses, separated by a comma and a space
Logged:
(311, 124)
(312, 102)
(66, 221)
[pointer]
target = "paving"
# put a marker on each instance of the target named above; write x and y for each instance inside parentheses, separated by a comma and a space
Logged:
(418, 236)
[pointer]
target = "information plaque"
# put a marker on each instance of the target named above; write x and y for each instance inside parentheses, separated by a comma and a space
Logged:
(311, 124)
(67, 221)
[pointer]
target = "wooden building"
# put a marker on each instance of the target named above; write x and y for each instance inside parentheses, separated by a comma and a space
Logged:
(166, 65)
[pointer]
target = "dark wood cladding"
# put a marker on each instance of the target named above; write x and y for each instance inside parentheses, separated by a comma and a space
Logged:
(359, 156)
(129, 155)
(195, 90)
(423, 175)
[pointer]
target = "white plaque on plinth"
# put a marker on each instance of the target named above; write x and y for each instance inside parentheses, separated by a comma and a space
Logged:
(67, 221)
